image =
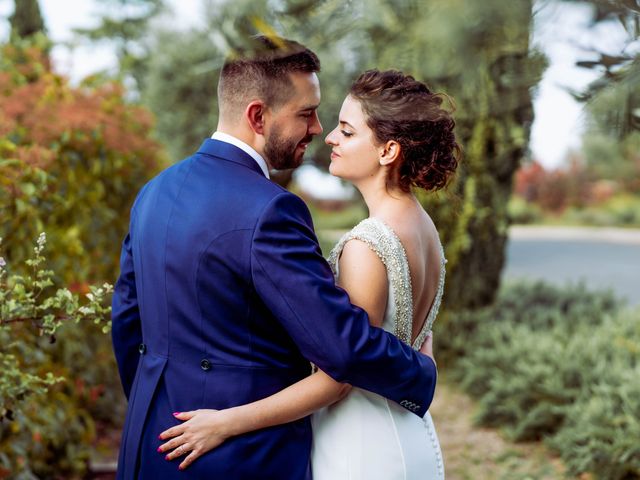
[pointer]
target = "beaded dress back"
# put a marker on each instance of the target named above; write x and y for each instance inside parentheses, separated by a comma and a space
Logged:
(386, 244)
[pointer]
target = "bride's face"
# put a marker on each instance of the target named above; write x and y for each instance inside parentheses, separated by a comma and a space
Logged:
(355, 155)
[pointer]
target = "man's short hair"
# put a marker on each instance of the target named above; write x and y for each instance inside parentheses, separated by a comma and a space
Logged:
(261, 70)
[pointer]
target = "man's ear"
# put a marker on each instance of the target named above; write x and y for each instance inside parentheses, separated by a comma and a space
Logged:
(389, 153)
(254, 113)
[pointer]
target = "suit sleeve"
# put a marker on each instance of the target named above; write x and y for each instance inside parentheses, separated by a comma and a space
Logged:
(126, 329)
(296, 283)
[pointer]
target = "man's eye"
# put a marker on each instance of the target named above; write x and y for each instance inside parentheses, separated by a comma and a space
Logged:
(346, 134)
(306, 114)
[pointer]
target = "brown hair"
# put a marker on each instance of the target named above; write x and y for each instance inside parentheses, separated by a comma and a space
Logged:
(398, 107)
(261, 70)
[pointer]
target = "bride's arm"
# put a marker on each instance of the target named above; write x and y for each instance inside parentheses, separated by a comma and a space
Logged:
(364, 277)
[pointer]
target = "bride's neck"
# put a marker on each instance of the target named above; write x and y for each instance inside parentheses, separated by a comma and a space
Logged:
(384, 200)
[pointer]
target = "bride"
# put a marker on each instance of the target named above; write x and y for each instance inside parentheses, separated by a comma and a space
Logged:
(393, 133)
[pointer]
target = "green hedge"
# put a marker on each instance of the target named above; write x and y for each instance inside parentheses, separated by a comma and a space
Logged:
(559, 365)
(71, 162)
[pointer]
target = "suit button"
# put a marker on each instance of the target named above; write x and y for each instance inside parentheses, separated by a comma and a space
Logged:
(205, 365)
(142, 348)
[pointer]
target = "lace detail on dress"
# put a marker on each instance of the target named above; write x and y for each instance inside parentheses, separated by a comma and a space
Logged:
(386, 244)
(435, 306)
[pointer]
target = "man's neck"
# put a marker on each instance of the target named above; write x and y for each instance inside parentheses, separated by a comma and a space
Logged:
(243, 145)
(243, 135)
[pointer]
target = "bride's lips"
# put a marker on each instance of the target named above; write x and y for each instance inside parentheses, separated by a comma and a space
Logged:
(334, 155)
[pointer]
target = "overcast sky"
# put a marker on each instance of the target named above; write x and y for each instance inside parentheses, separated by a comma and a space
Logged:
(560, 31)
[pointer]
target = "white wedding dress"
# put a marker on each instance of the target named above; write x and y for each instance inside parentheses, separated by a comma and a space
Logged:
(365, 436)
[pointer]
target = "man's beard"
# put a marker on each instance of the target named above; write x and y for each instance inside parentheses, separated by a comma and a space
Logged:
(281, 151)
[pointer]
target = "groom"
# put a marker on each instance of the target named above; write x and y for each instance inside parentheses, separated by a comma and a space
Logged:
(224, 297)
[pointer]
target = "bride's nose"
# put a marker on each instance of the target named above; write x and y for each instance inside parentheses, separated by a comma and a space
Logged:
(331, 138)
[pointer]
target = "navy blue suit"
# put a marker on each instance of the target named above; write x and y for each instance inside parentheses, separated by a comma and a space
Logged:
(224, 298)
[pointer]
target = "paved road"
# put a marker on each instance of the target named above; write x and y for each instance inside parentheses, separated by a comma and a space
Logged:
(602, 258)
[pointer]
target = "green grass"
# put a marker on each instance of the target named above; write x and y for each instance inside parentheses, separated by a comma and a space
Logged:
(622, 210)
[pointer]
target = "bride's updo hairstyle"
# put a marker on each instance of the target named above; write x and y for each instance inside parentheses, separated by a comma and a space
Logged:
(398, 107)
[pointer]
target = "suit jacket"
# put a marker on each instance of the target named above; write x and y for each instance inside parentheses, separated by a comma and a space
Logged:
(224, 298)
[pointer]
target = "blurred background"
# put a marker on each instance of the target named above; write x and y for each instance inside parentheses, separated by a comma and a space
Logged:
(538, 342)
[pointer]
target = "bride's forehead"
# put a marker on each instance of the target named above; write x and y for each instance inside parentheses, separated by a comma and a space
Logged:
(351, 111)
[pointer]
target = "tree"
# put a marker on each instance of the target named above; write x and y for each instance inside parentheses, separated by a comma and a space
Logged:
(26, 19)
(125, 23)
(71, 162)
(612, 101)
(180, 89)
(620, 70)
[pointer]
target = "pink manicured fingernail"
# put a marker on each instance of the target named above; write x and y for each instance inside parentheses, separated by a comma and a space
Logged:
(180, 467)
(167, 457)
(176, 413)
(159, 449)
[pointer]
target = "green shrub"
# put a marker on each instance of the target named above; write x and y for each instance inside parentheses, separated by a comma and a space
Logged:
(592, 216)
(601, 432)
(537, 306)
(44, 429)
(559, 364)
(624, 209)
(522, 212)
(71, 160)
(517, 387)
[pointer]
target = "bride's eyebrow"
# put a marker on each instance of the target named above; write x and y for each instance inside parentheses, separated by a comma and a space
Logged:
(343, 122)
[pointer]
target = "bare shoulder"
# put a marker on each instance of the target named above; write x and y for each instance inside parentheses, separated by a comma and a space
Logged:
(414, 228)
(358, 255)
(364, 277)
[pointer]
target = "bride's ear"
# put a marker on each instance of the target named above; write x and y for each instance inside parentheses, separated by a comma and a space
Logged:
(389, 153)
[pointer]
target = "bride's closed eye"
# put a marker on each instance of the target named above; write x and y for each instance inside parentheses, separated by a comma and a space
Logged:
(346, 134)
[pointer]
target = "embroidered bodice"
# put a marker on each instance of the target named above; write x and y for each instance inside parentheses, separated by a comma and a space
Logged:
(386, 244)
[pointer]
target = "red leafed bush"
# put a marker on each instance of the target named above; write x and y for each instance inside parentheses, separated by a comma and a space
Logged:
(554, 190)
(71, 162)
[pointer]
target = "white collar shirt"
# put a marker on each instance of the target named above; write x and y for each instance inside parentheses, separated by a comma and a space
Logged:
(225, 137)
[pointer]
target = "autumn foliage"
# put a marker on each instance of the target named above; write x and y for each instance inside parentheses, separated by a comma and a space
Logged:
(72, 159)
(71, 162)
(555, 190)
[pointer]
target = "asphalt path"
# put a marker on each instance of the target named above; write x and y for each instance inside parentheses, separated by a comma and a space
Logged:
(601, 258)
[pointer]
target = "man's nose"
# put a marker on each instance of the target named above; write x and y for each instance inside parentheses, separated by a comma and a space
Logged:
(316, 127)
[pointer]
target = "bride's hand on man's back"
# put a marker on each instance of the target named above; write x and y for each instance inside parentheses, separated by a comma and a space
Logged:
(202, 430)
(427, 347)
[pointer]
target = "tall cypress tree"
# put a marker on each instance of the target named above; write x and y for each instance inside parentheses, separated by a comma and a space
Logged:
(26, 20)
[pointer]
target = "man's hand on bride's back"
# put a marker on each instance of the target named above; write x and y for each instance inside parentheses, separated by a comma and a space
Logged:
(202, 430)
(427, 347)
